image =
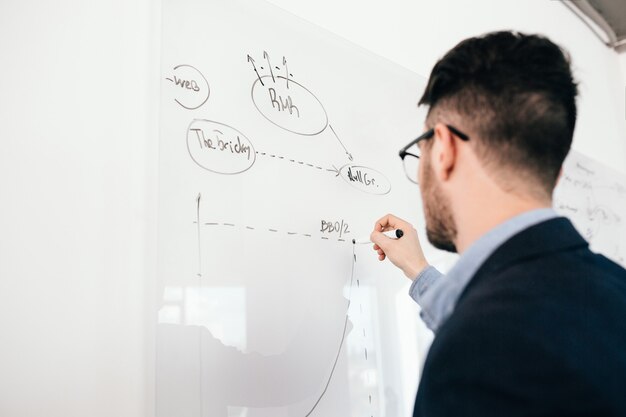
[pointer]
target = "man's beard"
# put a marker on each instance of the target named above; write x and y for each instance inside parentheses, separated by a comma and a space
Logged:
(440, 227)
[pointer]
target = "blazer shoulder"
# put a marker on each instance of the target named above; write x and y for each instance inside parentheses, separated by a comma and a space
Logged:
(553, 247)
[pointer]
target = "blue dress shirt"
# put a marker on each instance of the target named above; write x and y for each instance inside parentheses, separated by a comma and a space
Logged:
(437, 294)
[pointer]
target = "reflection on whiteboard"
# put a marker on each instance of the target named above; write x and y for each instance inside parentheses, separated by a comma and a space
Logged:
(593, 196)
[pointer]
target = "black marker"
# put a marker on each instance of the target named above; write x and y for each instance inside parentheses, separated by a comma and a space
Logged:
(394, 234)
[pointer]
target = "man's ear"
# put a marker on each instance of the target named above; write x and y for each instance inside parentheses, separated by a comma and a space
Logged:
(444, 152)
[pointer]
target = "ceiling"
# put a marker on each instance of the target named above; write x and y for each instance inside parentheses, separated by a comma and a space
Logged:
(607, 15)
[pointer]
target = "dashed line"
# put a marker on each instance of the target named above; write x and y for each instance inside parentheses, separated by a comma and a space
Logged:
(290, 233)
(295, 161)
(358, 283)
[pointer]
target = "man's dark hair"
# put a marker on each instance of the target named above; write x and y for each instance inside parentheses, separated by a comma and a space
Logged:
(517, 93)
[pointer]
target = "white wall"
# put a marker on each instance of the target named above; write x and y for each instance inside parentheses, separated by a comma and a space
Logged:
(78, 113)
(76, 125)
(417, 33)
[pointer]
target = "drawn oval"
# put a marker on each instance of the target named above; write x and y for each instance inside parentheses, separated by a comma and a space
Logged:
(219, 148)
(289, 105)
(191, 90)
(365, 179)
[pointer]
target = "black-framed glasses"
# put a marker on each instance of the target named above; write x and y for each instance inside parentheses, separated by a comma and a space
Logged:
(410, 154)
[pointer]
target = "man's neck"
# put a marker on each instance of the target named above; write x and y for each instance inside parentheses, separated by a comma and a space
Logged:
(472, 224)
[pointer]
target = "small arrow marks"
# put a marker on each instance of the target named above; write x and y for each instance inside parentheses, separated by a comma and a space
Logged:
(250, 59)
(267, 57)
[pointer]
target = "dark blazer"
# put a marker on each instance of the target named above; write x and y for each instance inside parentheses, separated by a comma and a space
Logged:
(540, 330)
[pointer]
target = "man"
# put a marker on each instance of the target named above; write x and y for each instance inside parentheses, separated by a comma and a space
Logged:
(529, 322)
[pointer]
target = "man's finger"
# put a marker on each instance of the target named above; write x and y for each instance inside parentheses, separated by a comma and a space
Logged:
(389, 222)
(386, 221)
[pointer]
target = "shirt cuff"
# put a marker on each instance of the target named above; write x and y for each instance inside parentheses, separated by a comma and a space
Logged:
(422, 282)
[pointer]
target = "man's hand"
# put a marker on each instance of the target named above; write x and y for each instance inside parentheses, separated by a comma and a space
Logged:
(405, 253)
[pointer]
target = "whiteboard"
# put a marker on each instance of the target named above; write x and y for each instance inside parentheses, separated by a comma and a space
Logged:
(279, 145)
(593, 196)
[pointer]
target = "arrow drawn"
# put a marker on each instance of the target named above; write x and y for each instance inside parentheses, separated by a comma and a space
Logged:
(286, 71)
(336, 170)
(266, 56)
(297, 162)
(341, 143)
(257, 72)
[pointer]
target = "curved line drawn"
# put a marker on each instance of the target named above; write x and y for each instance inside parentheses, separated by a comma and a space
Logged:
(343, 337)
(208, 87)
(292, 101)
(345, 325)
(239, 137)
(291, 82)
